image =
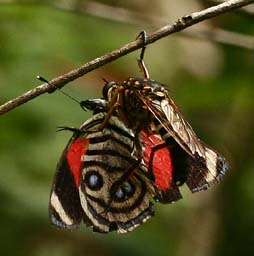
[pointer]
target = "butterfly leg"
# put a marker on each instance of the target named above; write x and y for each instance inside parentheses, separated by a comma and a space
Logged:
(141, 62)
(117, 103)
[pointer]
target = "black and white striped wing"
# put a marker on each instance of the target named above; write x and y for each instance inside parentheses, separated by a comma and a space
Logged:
(205, 165)
(111, 197)
(65, 210)
(98, 180)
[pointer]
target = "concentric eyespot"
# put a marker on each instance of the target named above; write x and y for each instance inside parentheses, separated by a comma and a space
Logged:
(93, 180)
(124, 192)
(107, 87)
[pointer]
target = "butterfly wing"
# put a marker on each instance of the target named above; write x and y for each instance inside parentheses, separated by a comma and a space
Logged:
(65, 210)
(109, 201)
(158, 159)
(204, 165)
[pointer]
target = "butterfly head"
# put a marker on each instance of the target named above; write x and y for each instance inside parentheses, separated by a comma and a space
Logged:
(109, 89)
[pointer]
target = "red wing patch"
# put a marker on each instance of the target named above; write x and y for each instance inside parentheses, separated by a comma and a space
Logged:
(74, 154)
(161, 163)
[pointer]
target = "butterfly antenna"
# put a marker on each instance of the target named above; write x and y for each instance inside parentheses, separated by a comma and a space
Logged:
(106, 81)
(63, 92)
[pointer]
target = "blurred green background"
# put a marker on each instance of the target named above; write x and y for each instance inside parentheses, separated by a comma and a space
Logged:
(211, 82)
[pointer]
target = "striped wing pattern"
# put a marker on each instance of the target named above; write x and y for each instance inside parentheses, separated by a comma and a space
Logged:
(97, 200)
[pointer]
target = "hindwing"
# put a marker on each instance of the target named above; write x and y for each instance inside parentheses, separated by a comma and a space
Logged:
(111, 190)
(158, 159)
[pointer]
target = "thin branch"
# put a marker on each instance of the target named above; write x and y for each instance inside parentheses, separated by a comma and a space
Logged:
(179, 25)
(248, 9)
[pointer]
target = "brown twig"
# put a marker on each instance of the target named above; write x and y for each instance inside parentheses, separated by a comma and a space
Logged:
(249, 10)
(181, 24)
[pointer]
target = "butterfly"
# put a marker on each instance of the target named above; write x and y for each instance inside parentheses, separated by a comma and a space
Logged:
(136, 146)
(145, 105)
